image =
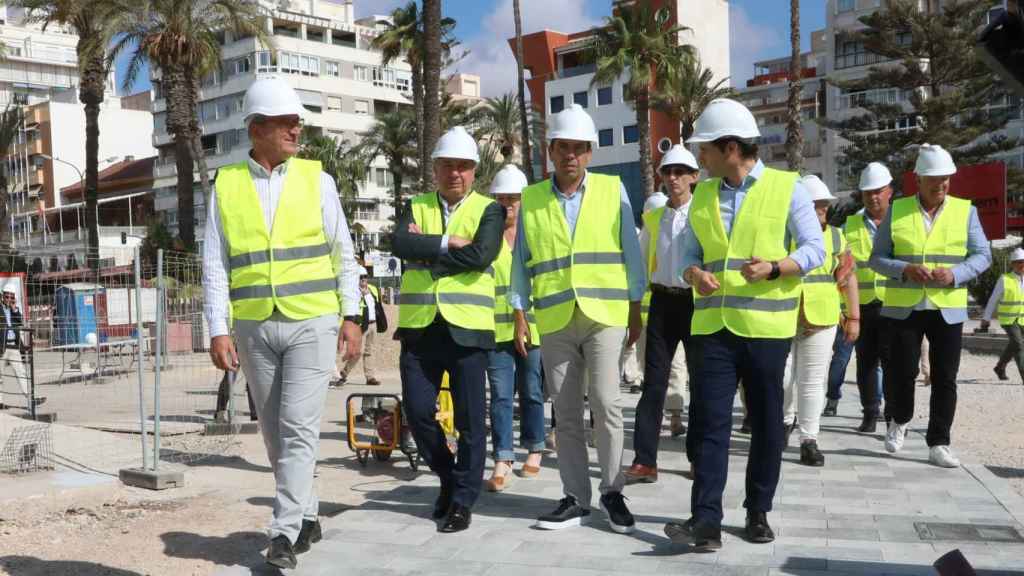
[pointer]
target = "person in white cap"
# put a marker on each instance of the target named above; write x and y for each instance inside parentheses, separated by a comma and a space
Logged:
(510, 372)
(668, 318)
(820, 315)
(736, 255)
(875, 187)
(1007, 306)
(929, 246)
(369, 309)
(449, 240)
(11, 348)
(577, 259)
(278, 251)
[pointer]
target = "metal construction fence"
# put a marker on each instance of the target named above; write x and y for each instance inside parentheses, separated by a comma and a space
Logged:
(116, 364)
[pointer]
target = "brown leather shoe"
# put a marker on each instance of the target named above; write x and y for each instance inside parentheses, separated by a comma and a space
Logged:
(528, 471)
(638, 473)
(496, 484)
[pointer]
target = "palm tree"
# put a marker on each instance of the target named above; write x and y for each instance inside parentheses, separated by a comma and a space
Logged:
(10, 123)
(341, 160)
(488, 166)
(687, 92)
(524, 128)
(181, 40)
(433, 53)
(794, 130)
(643, 42)
(95, 22)
(393, 137)
(501, 119)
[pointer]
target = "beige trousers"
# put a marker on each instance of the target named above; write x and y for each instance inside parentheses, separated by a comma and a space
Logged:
(368, 338)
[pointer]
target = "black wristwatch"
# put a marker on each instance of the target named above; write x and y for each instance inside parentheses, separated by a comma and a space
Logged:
(775, 271)
(354, 318)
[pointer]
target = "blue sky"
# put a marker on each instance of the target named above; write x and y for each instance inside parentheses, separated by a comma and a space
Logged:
(759, 29)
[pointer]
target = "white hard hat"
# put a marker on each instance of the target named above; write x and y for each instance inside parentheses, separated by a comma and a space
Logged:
(816, 188)
(724, 117)
(874, 176)
(363, 271)
(90, 338)
(9, 290)
(573, 123)
(509, 180)
(1017, 255)
(678, 155)
(934, 160)
(655, 201)
(271, 97)
(456, 143)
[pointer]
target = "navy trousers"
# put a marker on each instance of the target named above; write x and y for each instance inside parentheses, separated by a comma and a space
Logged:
(422, 364)
(720, 360)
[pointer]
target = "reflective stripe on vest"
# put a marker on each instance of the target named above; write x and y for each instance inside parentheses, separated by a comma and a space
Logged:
(858, 238)
(820, 294)
(586, 269)
(504, 321)
(287, 268)
(765, 309)
(1011, 307)
(466, 299)
(945, 246)
(652, 223)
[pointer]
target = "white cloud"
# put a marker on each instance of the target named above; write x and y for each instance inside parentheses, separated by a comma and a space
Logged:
(748, 42)
(491, 57)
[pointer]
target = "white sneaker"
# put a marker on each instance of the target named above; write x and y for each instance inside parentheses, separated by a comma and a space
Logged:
(894, 435)
(943, 457)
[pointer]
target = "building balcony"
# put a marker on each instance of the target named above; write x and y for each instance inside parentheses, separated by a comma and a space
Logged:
(573, 71)
(765, 79)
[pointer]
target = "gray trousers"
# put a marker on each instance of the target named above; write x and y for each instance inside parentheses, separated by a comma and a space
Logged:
(1014, 348)
(585, 347)
(288, 364)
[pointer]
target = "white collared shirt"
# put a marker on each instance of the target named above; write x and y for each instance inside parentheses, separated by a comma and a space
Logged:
(668, 258)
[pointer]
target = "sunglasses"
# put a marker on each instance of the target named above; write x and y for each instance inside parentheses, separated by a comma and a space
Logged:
(677, 171)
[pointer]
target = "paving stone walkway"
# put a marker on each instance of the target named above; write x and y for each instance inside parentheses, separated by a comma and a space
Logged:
(858, 515)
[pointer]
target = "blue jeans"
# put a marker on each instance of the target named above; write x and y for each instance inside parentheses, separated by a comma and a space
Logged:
(508, 372)
(841, 354)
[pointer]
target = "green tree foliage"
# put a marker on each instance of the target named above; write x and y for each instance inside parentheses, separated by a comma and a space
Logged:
(344, 162)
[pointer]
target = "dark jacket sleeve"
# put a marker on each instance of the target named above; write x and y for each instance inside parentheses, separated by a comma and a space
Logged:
(420, 247)
(482, 252)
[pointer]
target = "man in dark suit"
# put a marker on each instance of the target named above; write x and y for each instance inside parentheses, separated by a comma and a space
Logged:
(10, 346)
(448, 240)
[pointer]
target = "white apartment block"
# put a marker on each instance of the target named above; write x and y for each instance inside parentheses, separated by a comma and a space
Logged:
(325, 54)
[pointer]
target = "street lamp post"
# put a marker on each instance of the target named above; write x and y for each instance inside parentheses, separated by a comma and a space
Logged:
(81, 181)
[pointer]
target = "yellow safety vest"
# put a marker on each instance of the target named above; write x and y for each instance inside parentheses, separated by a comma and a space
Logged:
(362, 301)
(504, 325)
(765, 309)
(586, 270)
(465, 299)
(820, 293)
(287, 268)
(1011, 307)
(869, 284)
(945, 246)
(652, 223)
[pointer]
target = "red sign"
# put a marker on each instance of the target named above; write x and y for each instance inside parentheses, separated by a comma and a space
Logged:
(985, 186)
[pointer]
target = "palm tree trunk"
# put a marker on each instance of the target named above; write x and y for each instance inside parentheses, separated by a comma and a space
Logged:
(643, 126)
(431, 76)
(794, 129)
(423, 158)
(196, 145)
(396, 177)
(527, 158)
(90, 93)
(185, 191)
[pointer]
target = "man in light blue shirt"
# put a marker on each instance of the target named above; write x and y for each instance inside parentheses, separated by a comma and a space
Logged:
(916, 269)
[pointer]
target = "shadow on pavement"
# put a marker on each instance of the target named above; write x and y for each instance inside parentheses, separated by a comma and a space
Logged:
(327, 509)
(869, 567)
(1006, 472)
(29, 566)
(237, 549)
(194, 460)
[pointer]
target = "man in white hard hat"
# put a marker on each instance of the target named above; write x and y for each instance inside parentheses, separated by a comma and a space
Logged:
(508, 371)
(820, 316)
(872, 348)
(929, 246)
(284, 277)
(449, 240)
(1007, 305)
(746, 301)
(370, 324)
(669, 314)
(577, 259)
(11, 347)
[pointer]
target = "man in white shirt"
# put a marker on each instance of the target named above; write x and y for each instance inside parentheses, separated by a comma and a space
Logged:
(368, 323)
(1006, 300)
(10, 346)
(671, 305)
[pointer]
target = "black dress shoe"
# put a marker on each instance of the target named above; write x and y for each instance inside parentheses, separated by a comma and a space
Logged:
(758, 530)
(458, 519)
(281, 553)
(309, 535)
(869, 423)
(701, 536)
(442, 504)
(831, 408)
(1001, 372)
(810, 455)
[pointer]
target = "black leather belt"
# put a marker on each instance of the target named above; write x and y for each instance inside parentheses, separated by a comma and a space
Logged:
(671, 290)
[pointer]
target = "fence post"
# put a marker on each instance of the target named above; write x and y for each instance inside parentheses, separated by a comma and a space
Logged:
(138, 352)
(160, 319)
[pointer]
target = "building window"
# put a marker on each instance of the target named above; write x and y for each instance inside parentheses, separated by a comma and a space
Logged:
(630, 135)
(557, 104)
(361, 73)
(384, 178)
(362, 107)
(605, 138)
(604, 96)
(846, 6)
(333, 68)
(580, 98)
(850, 53)
(334, 103)
(265, 62)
